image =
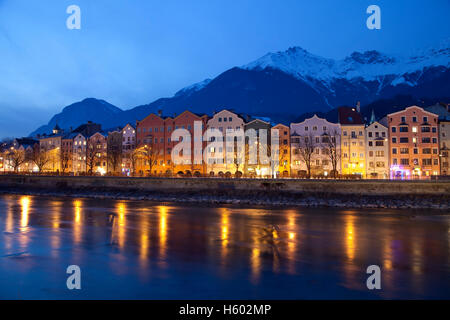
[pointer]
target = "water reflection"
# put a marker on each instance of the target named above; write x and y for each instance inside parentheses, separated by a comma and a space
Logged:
(120, 224)
(78, 226)
(25, 208)
(162, 210)
(267, 249)
(350, 236)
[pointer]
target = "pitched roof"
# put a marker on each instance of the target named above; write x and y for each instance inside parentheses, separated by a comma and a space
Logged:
(349, 116)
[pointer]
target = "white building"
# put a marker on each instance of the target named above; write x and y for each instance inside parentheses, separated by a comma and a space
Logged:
(227, 123)
(79, 154)
(325, 138)
(377, 151)
(128, 147)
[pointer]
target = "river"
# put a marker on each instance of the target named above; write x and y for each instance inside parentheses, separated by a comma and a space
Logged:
(147, 250)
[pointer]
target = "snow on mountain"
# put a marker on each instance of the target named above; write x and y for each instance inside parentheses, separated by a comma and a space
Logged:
(283, 85)
(194, 87)
(368, 66)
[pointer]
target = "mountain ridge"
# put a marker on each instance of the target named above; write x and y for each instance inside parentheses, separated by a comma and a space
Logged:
(286, 84)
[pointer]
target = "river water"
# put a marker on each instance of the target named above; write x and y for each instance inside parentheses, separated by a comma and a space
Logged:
(145, 250)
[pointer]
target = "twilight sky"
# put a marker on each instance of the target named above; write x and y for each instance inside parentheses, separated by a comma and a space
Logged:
(135, 51)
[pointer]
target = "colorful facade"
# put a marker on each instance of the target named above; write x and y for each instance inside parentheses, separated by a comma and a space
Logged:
(154, 139)
(96, 154)
(284, 146)
(444, 145)
(414, 147)
(223, 159)
(353, 146)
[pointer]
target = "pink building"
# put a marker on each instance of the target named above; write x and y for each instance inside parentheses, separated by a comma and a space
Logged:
(414, 144)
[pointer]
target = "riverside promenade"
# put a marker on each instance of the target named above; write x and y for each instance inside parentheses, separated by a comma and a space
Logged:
(277, 192)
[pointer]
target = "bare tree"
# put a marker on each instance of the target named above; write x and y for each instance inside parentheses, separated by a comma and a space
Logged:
(306, 150)
(114, 157)
(66, 155)
(90, 158)
(40, 158)
(150, 154)
(17, 158)
(134, 157)
(330, 143)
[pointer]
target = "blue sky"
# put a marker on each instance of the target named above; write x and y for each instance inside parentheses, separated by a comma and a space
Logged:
(133, 52)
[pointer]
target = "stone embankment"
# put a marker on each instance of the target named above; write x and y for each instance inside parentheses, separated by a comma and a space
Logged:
(283, 192)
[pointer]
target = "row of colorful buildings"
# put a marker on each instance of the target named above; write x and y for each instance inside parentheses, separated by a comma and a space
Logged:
(409, 144)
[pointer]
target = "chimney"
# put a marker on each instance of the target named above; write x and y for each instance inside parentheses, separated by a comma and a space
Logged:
(160, 113)
(358, 107)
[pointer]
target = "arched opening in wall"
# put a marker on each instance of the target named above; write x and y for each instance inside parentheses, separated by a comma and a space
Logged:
(180, 174)
(211, 174)
(228, 174)
(220, 174)
(188, 173)
(285, 174)
(197, 174)
(238, 174)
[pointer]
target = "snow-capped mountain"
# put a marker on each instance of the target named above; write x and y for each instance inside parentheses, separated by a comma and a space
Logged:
(367, 66)
(193, 88)
(287, 84)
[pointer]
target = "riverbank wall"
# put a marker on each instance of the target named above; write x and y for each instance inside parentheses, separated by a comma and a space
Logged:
(284, 192)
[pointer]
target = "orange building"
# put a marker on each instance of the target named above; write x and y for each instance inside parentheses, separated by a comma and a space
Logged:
(284, 145)
(414, 147)
(154, 140)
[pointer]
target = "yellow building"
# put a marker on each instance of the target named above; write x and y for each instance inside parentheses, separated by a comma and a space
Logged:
(353, 149)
